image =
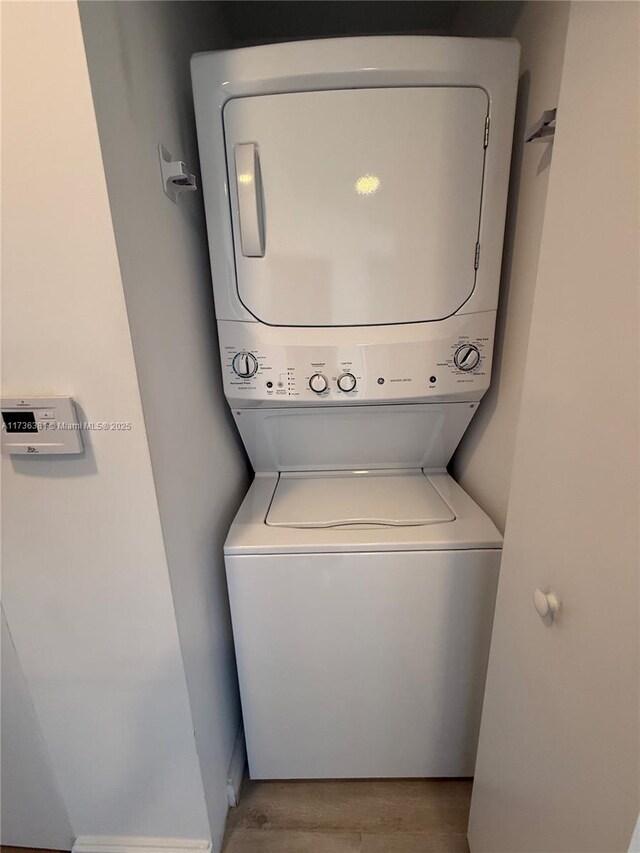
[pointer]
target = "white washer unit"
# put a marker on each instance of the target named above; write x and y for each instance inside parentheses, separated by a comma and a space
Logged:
(362, 609)
(355, 193)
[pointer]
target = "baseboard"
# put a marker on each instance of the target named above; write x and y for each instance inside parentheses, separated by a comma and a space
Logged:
(133, 844)
(236, 768)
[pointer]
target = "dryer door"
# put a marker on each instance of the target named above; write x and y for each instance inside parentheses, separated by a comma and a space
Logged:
(356, 207)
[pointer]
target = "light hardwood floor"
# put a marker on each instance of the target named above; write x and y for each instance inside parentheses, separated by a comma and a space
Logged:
(371, 816)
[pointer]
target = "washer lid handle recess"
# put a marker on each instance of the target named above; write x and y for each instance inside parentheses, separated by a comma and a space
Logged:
(250, 199)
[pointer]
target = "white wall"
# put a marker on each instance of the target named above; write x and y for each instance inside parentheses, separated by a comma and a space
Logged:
(86, 588)
(138, 55)
(634, 845)
(557, 766)
(32, 807)
(482, 463)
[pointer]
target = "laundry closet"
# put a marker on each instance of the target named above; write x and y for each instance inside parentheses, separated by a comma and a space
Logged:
(369, 335)
(356, 286)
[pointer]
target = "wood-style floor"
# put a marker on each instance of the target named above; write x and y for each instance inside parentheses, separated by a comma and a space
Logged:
(371, 816)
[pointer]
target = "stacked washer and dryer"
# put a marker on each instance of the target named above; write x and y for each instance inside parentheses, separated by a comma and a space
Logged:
(355, 194)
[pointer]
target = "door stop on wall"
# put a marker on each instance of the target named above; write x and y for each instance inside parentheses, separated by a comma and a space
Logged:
(544, 129)
(176, 178)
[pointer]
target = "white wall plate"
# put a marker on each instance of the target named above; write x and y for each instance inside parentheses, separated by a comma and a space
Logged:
(40, 425)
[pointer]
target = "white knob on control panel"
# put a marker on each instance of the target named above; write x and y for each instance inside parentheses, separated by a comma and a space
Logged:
(346, 382)
(466, 357)
(245, 365)
(318, 383)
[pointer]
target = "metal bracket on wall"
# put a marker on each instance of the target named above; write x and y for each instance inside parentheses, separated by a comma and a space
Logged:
(175, 176)
(544, 129)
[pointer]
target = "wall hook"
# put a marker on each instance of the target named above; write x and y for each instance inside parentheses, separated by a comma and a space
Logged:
(175, 176)
(544, 129)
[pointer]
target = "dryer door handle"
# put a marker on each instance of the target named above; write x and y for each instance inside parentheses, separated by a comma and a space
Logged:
(250, 204)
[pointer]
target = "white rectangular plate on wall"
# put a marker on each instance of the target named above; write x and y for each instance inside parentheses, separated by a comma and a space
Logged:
(40, 425)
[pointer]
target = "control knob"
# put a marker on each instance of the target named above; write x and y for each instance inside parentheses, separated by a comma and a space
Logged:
(245, 364)
(346, 382)
(318, 383)
(467, 357)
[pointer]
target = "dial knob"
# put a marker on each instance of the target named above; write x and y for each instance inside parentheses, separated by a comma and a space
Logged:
(346, 382)
(467, 357)
(245, 364)
(318, 383)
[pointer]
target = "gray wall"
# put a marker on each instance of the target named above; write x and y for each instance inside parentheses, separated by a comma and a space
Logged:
(482, 464)
(32, 808)
(138, 55)
(85, 582)
(557, 768)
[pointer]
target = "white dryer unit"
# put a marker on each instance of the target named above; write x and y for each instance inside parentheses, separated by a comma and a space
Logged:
(355, 193)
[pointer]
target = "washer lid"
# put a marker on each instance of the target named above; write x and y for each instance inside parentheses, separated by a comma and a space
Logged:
(356, 498)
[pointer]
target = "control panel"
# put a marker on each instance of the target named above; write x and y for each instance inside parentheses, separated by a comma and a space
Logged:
(265, 365)
(40, 425)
